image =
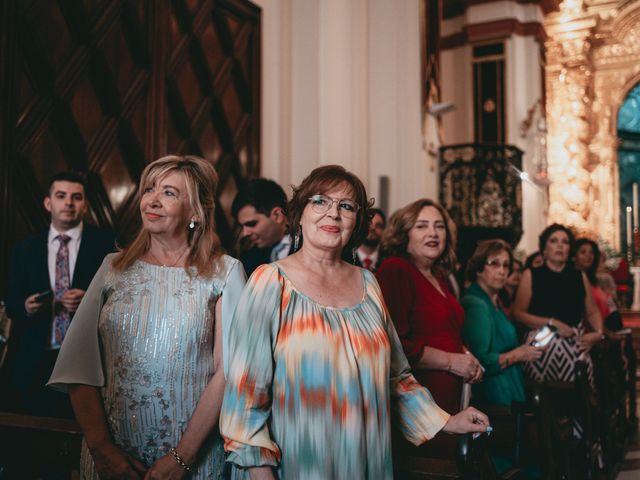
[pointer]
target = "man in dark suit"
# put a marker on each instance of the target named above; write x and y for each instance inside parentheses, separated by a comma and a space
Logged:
(259, 208)
(368, 254)
(50, 272)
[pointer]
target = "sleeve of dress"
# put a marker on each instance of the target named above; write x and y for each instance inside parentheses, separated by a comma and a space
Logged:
(415, 411)
(477, 333)
(79, 360)
(234, 284)
(398, 291)
(246, 407)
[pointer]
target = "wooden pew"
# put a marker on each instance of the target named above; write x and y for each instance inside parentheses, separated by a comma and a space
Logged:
(612, 394)
(30, 444)
(470, 460)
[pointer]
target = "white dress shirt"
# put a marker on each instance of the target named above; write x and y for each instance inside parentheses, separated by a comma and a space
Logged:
(281, 249)
(373, 257)
(53, 245)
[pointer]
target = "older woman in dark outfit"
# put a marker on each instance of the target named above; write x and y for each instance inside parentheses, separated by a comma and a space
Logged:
(558, 295)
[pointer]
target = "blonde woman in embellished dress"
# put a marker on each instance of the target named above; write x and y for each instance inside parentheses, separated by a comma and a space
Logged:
(143, 359)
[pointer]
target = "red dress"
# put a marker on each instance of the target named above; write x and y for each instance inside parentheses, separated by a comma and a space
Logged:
(424, 317)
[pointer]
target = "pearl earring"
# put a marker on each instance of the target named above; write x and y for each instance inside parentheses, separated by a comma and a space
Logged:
(192, 225)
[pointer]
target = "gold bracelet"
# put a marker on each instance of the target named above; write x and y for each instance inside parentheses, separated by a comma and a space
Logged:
(180, 461)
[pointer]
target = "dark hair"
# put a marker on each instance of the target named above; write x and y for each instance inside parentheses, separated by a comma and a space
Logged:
(484, 250)
(262, 194)
(550, 230)
(396, 237)
(517, 262)
(73, 177)
(321, 180)
(593, 268)
(376, 211)
(528, 263)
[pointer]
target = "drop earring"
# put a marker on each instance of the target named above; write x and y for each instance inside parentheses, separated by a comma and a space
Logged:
(296, 239)
(353, 254)
(192, 225)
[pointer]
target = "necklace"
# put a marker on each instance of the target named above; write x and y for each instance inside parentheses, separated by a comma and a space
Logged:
(165, 264)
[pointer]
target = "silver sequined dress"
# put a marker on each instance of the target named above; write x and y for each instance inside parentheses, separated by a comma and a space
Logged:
(155, 344)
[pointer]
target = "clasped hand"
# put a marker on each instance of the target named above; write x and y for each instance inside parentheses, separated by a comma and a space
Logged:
(467, 366)
(113, 463)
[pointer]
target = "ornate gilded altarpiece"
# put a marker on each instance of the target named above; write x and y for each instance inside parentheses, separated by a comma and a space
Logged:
(592, 62)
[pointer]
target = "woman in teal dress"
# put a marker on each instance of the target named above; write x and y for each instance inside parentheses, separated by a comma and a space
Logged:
(316, 367)
(143, 358)
(487, 331)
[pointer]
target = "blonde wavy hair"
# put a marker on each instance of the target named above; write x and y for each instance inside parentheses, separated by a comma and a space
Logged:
(201, 182)
(396, 236)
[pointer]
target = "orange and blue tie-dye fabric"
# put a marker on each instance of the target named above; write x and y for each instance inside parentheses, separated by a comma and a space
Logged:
(311, 388)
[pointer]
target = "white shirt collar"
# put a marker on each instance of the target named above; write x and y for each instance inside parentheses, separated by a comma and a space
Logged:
(286, 240)
(281, 249)
(373, 256)
(75, 233)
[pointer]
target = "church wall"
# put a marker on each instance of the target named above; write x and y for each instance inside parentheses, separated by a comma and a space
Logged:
(524, 94)
(341, 84)
(457, 88)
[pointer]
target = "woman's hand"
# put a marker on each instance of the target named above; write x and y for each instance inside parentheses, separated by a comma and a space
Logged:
(467, 366)
(165, 467)
(563, 329)
(469, 420)
(112, 463)
(590, 339)
(527, 353)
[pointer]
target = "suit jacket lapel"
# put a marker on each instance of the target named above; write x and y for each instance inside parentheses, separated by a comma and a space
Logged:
(41, 260)
(83, 255)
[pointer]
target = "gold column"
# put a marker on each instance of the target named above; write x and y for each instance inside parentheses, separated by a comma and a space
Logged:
(569, 82)
(592, 61)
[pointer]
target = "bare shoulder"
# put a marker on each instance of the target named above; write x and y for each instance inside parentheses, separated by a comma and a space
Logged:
(354, 271)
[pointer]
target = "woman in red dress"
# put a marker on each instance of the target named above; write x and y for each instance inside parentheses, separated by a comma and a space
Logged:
(427, 316)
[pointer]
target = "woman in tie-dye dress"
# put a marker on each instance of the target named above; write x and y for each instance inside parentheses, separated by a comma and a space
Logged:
(315, 365)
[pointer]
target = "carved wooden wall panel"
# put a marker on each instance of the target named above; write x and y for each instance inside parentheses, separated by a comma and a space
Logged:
(104, 87)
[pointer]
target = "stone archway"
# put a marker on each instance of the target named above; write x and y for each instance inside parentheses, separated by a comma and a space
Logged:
(593, 60)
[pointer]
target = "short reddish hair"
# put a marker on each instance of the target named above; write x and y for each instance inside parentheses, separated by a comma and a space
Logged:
(323, 179)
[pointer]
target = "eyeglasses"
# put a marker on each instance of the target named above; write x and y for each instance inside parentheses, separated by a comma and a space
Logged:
(495, 263)
(322, 204)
